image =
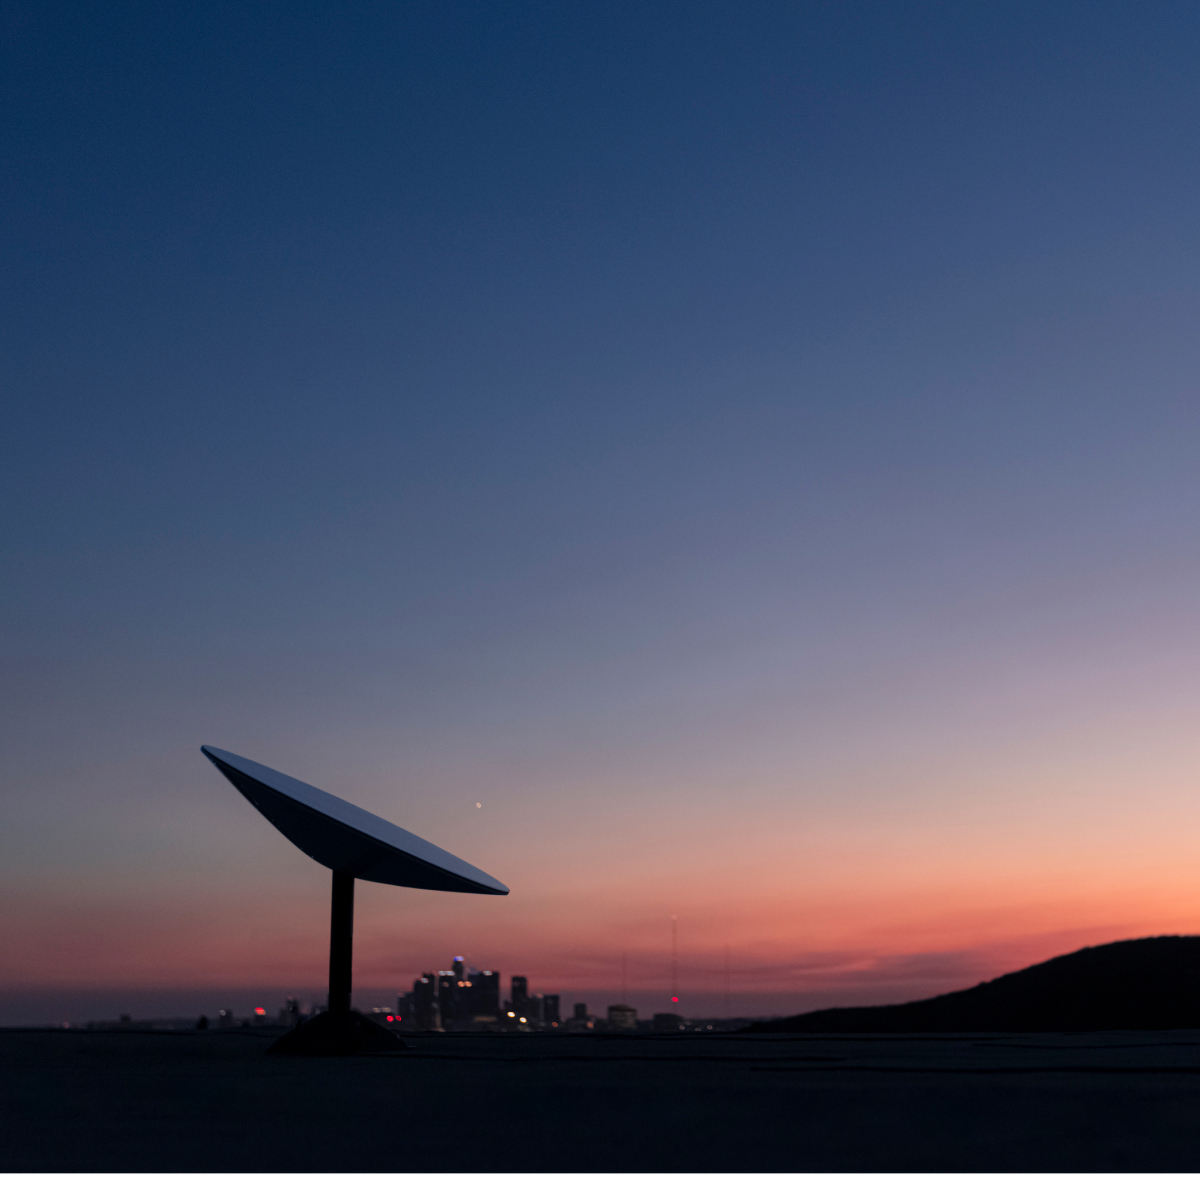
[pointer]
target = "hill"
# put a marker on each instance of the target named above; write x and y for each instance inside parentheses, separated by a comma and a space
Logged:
(1151, 984)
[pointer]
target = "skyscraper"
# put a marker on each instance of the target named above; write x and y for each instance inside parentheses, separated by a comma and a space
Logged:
(550, 1010)
(449, 1000)
(487, 993)
(520, 995)
(425, 1003)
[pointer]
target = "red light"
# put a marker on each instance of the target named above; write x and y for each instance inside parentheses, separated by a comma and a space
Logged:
(674, 998)
(390, 1018)
(258, 1009)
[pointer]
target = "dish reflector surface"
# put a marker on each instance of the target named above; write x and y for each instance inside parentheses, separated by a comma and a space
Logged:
(345, 838)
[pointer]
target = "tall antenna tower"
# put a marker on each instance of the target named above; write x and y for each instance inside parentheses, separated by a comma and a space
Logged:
(674, 960)
(624, 978)
(727, 980)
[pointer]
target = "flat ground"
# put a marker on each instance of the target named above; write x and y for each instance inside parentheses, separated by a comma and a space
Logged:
(88, 1100)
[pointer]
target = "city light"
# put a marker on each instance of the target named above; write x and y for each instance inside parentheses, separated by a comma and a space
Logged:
(463, 998)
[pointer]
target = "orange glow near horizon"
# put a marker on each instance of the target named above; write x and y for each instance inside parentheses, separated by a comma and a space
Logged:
(844, 894)
(800, 950)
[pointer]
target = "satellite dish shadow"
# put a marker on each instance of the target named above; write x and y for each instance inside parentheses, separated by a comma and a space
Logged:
(353, 844)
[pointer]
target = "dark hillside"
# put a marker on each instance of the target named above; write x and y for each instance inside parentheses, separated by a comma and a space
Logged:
(1151, 984)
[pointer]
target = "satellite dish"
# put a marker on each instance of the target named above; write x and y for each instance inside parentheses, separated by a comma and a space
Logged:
(354, 844)
(345, 838)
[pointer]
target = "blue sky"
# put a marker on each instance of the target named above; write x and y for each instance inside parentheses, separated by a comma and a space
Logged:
(682, 428)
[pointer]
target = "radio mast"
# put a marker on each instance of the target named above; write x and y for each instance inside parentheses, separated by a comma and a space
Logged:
(674, 960)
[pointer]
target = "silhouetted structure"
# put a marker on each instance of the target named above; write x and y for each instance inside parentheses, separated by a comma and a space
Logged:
(447, 995)
(464, 998)
(353, 844)
(487, 989)
(622, 1017)
(667, 1023)
(426, 1013)
(520, 995)
(1151, 984)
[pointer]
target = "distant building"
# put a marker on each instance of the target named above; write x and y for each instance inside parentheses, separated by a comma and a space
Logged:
(463, 998)
(520, 995)
(622, 1017)
(224, 1019)
(580, 1010)
(448, 998)
(667, 1023)
(487, 993)
(426, 1013)
(466, 998)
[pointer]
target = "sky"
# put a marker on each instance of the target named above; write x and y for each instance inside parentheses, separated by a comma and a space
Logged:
(727, 462)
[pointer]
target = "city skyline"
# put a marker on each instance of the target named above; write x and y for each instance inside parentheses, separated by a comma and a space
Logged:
(521, 993)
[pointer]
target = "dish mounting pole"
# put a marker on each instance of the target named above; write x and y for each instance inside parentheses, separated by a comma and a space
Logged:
(341, 943)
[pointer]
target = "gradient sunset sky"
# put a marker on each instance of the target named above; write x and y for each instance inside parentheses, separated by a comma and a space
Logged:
(728, 461)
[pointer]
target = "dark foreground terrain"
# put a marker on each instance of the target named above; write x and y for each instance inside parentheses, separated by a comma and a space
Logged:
(165, 1100)
(1148, 984)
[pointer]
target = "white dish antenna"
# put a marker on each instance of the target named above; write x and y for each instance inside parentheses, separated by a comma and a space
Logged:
(354, 844)
(348, 839)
